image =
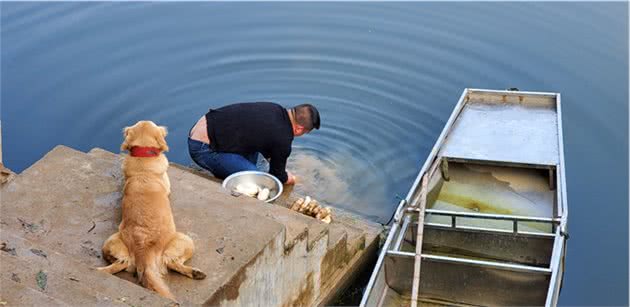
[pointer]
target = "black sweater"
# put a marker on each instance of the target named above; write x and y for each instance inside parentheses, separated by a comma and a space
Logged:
(246, 128)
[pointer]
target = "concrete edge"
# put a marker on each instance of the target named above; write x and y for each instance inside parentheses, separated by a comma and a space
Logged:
(229, 290)
(344, 278)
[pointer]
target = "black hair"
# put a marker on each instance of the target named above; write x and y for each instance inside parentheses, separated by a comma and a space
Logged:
(307, 116)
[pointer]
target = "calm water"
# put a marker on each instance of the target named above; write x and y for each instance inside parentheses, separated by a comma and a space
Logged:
(385, 77)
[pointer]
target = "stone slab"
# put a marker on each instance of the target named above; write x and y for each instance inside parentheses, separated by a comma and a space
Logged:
(298, 226)
(361, 232)
(71, 200)
(21, 295)
(48, 271)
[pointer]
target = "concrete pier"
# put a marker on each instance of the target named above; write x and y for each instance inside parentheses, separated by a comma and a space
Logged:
(56, 215)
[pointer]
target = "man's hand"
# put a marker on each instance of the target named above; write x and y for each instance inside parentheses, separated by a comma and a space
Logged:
(291, 178)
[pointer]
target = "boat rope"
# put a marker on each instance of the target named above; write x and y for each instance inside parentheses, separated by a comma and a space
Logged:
(400, 199)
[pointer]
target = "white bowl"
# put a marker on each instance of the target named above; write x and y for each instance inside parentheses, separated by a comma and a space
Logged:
(261, 179)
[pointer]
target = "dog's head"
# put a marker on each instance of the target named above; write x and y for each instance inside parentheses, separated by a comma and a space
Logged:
(145, 133)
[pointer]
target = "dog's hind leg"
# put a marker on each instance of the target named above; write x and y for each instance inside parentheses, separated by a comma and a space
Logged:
(115, 252)
(178, 251)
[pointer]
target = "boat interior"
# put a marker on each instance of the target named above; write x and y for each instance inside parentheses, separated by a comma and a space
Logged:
(488, 238)
(492, 213)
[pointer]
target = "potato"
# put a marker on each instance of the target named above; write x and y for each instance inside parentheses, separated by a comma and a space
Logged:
(248, 189)
(263, 194)
(297, 204)
(327, 219)
(305, 205)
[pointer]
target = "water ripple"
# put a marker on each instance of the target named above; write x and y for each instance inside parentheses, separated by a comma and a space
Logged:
(385, 76)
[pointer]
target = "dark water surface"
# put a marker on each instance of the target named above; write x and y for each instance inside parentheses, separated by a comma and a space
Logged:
(385, 77)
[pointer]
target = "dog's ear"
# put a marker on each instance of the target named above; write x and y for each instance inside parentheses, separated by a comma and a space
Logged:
(127, 138)
(162, 138)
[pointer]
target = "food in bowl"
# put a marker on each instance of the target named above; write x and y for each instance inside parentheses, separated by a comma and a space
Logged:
(263, 194)
(247, 188)
(256, 184)
(253, 190)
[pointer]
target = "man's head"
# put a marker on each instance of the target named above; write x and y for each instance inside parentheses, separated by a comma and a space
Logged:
(305, 118)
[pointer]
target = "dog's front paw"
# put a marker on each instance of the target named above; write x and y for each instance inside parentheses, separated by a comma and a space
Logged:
(198, 274)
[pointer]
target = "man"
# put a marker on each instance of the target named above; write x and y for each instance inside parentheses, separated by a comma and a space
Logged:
(227, 140)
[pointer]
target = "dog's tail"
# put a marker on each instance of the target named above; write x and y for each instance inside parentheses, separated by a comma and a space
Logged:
(150, 275)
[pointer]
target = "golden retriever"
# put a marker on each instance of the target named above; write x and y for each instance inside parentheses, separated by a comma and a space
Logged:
(146, 241)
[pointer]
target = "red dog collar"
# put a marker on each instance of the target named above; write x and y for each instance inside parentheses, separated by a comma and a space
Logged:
(144, 152)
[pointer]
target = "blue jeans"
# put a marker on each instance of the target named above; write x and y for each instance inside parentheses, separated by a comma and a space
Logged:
(220, 164)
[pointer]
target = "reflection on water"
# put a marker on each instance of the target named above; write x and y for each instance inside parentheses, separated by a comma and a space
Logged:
(330, 182)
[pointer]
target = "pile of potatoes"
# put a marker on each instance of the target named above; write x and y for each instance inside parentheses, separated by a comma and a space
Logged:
(312, 208)
(253, 190)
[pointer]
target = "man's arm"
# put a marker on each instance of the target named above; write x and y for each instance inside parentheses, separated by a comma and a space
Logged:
(278, 164)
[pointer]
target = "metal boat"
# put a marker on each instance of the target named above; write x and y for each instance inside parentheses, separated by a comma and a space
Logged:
(492, 208)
